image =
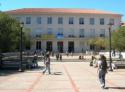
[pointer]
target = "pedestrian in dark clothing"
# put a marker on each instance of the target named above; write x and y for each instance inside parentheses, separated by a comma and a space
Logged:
(102, 70)
(57, 56)
(91, 62)
(53, 54)
(35, 63)
(60, 56)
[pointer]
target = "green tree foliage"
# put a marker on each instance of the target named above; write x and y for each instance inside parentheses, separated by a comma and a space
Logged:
(9, 33)
(27, 38)
(98, 43)
(118, 39)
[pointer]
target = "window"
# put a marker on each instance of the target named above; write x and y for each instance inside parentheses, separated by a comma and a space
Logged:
(92, 21)
(49, 20)
(38, 32)
(102, 33)
(81, 33)
(71, 32)
(60, 20)
(81, 20)
(28, 20)
(71, 20)
(49, 31)
(111, 21)
(39, 20)
(102, 21)
(92, 32)
(60, 31)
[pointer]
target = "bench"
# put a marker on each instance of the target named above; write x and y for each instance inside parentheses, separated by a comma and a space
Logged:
(15, 63)
(119, 64)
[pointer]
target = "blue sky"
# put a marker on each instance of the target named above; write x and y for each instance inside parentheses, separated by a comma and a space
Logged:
(116, 6)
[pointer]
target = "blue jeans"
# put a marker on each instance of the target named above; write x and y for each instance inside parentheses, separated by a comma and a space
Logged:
(47, 68)
(102, 74)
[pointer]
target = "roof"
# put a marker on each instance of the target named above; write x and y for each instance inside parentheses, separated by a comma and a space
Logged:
(58, 10)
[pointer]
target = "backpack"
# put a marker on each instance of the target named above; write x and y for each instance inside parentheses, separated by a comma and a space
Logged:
(103, 65)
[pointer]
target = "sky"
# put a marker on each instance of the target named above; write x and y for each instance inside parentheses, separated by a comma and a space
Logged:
(115, 6)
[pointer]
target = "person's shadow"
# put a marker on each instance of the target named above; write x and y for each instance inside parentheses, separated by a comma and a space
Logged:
(121, 88)
(57, 73)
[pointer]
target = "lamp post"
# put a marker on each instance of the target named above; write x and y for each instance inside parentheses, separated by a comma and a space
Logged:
(110, 48)
(21, 45)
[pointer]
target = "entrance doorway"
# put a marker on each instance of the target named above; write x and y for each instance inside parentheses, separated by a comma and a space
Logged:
(60, 46)
(49, 46)
(38, 45)
(70, 46)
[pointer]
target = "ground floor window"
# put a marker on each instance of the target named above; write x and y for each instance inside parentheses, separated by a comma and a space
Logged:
(70, 46)
(38, 45)
(92, 47)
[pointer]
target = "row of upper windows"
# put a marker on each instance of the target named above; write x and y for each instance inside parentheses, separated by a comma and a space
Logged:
(71, 20)
(71, 32)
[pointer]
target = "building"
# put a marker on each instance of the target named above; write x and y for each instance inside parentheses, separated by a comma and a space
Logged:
(61, 29)
(123, 24)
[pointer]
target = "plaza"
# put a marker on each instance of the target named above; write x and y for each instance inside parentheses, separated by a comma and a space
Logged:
(75, 34)
(66, 76)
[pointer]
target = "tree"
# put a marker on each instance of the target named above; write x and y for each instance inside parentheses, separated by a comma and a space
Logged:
(118, 39)
(101, 43)
(27, 38)
(9, 33)
(98, 43)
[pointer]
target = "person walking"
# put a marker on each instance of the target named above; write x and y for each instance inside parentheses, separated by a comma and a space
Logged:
(47, 64)
(57, 56)
(60, 56)
(35, 63)
(102, 70)
(91, 62)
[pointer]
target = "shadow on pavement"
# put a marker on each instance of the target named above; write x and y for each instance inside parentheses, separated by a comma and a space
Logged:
(116, 88)
(11, 71)
(57, 73)
(5, 72)
(37, 68)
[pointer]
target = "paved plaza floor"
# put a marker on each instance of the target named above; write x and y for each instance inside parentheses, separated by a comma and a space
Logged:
(64, 77)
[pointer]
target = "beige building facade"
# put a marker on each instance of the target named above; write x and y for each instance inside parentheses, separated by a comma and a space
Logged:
(65, 29)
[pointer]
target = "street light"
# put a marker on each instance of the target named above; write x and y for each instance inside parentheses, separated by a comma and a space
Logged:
(110, 48)
(21, 45)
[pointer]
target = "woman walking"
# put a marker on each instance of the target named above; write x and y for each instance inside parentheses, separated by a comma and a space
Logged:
(102, 70)
(47, 64)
